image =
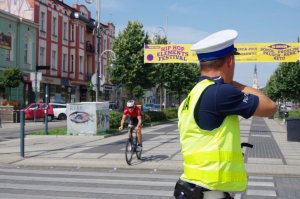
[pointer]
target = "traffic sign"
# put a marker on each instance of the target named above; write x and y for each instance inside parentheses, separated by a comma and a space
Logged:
(36, 74)
(42, 67)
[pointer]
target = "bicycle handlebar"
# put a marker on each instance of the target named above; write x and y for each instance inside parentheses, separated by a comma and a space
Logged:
(245, 144)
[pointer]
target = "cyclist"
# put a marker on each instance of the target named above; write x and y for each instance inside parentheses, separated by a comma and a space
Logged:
(135, 115)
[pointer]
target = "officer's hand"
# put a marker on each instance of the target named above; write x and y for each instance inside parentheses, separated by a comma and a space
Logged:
(121, 128)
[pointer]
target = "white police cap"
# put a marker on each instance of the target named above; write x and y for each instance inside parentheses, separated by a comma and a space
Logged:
(216, 45)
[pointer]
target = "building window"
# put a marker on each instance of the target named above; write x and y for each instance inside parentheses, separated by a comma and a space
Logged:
(26, 52)
(72, 63)
(65, 30)
(7, 55)
(64, 63)
(42, 23)
(81, 34)
(53, 60)
(104, 44)
(81, 64)
(72, 33)
(9, 52)
(42, 56)
(54, 26)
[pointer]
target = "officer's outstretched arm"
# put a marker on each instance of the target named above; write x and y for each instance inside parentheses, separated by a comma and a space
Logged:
(266, 107)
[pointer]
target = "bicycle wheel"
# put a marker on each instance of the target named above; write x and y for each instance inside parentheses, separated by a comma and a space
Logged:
(138, 153)
(129, 150)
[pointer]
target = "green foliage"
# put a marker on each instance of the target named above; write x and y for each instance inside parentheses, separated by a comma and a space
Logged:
(284, 84)
(114, 119)
(170, 113)
(181, 78)
(154, 116)
(294, 113)
(58, 131)
(138, 91)
(12, 77)
(130, 70)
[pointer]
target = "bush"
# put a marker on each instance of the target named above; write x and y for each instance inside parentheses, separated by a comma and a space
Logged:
(114, 119)
(294, 113)
(154, 116)
(171, 113)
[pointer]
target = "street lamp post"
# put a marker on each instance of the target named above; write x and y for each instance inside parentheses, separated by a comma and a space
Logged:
(100, 65)
(161, 29)
(98, 36)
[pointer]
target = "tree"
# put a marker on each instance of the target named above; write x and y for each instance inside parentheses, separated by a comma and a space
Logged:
(284, 84)
(11, 77)
(130, 70)
(271, 89)
(181, 78)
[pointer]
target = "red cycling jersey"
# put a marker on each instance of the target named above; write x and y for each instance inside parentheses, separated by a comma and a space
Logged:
(135, 113)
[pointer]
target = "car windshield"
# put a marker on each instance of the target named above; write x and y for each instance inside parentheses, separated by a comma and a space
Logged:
(32, 106)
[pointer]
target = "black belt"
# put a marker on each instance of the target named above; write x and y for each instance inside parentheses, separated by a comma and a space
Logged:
(195, 186)
(186, 190)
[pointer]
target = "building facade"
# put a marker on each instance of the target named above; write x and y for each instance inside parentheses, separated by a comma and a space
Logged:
(17, 49)
(67, 47)
(68, 43)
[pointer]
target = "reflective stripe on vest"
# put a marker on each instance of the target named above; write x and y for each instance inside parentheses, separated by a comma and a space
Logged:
(212, 159)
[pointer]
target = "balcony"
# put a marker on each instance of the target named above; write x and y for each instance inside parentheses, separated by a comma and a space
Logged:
(90, 47)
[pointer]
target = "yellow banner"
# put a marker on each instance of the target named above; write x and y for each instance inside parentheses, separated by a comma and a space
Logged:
(267, 52)
(169, 53)
(249, 52)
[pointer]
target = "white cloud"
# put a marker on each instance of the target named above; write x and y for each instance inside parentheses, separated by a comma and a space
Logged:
(177, 34)
(290, 2)
(178, 8)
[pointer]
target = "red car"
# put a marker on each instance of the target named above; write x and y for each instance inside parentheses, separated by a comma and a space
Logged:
(37, 111)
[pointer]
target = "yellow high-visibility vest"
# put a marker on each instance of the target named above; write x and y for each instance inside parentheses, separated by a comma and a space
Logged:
(212, 159)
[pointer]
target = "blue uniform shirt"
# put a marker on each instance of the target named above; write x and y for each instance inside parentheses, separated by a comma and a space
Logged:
(220, 100)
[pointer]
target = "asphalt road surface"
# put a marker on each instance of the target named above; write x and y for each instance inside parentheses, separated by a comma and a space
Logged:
(12, 131)
(79, 183)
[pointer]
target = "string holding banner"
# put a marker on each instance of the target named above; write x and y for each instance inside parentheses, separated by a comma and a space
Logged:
(249, 52)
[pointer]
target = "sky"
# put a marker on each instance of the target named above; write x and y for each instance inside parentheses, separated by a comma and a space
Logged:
(186, 22)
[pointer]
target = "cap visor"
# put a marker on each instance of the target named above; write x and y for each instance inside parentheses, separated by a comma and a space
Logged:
(235, 52)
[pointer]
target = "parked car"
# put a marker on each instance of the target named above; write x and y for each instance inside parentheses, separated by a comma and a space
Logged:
(147, 107)
(284, 107)
(151, 107)
(59, 111)
(37, 111)
(155, 107)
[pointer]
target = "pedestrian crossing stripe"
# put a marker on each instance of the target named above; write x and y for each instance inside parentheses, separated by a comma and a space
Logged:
(110, 183)
(80, 183)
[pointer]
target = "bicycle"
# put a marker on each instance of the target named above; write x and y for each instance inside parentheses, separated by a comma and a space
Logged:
(131, 145)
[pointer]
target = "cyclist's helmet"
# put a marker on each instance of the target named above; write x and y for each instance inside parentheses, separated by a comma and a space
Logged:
(130, 103)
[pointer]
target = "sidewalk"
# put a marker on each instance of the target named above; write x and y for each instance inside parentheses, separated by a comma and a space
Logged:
(161, 150)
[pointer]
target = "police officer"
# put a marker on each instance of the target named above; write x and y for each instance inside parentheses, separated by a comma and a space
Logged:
(209, 124)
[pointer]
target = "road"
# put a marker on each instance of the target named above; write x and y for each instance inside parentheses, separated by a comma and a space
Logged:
(11, 131)
(79, 183)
